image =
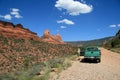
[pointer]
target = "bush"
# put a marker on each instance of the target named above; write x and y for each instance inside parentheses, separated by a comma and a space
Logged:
(53, 63)
(36, 68)
(24, 76)
(1, 51)
(73, 57)
(19, 41)
(44, 77)
(6, 77)
(66, 63)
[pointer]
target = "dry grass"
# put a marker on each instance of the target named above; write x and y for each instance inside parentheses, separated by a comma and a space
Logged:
(117, 50)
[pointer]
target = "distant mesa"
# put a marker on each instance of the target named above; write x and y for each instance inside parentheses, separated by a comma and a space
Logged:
(8, 29)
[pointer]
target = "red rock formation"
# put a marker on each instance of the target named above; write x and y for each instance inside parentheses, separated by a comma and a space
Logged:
(47, 37)
(58, 37)
(8, 29)
(46, 33)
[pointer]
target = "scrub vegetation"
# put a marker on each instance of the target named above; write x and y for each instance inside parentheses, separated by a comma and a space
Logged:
(22, 59)
(114, 43)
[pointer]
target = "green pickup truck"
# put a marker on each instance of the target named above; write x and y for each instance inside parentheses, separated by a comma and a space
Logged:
(92, 53)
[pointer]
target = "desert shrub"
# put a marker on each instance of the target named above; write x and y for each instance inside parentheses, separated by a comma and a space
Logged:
(115, 42)
(44, 77)
(4, 40)
(24, 76)
(30, 73)
(6, 77)
(1, 51)
(60, 60)
(34, 42)
(73, 57)
(66, 63)
(36, 68)
(27, 62)
(19, 41)
(53, 63)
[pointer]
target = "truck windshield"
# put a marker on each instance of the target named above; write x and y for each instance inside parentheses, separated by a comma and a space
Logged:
(92, 49)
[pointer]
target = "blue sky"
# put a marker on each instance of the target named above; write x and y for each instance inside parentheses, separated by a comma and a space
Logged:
(74, 20)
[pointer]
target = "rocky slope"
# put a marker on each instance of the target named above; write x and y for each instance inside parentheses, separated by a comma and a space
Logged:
(17, 54)
(20, 48)
(113, 42)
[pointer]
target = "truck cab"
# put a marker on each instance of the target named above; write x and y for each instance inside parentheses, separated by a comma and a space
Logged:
(92, 53)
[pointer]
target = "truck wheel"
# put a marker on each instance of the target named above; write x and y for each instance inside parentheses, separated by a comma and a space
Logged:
(84, 60)
(98, 60)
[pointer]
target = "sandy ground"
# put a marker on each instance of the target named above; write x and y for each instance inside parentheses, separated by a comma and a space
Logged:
(108, 69)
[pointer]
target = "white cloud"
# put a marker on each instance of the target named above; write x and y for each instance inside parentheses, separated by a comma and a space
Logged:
(15, 9)
(66, 21)
(15, 13)
(113, 26)
(118, 25)
(7, 17)
(18, 16)
(63, 27)
(73, 7)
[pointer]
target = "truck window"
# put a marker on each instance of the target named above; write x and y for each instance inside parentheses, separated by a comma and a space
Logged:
(92, 49)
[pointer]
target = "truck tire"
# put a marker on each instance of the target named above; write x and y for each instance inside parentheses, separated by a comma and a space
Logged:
(98, 60)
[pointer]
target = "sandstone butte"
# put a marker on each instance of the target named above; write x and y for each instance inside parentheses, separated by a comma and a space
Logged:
(8, 29)
(47, 37)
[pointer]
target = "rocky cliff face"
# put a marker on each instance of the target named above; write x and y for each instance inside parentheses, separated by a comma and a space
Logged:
(8, 29)
(47, 37)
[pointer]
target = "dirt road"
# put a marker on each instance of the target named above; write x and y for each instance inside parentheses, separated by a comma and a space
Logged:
(108, 69)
